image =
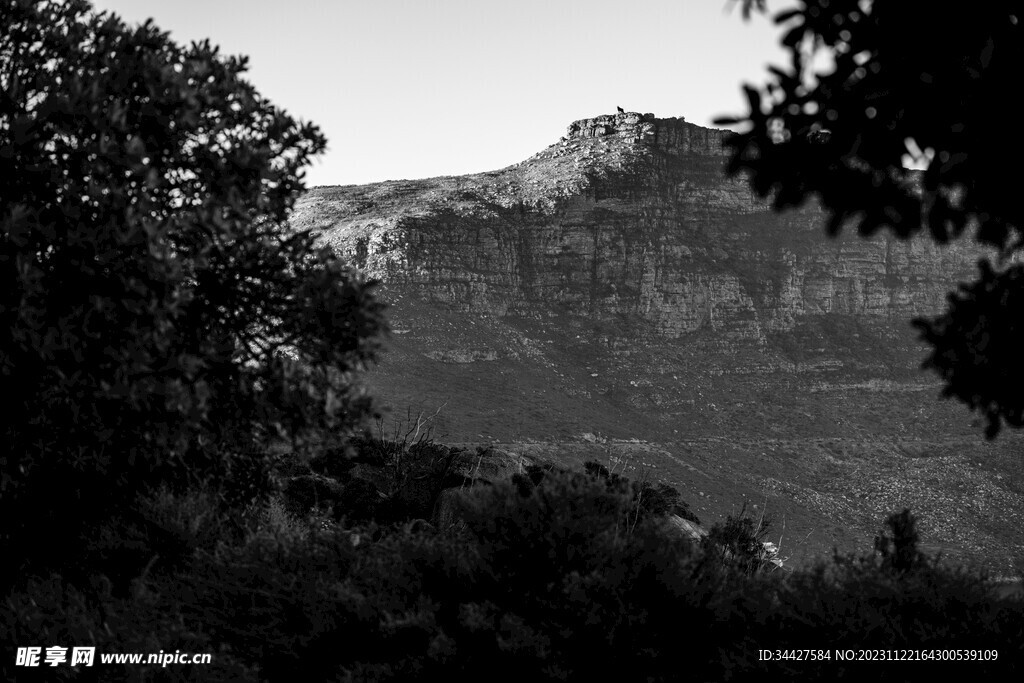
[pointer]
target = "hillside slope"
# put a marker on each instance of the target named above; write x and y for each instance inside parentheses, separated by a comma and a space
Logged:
(617, 287)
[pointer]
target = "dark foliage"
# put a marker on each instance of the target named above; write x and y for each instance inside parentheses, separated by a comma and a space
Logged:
(749, 6)
(380, 480)
(556, 584)
(158, 325)
(897, 549)
(905, 79)
(646, 499)
(738, 543)
(977, 345)
(414, 475)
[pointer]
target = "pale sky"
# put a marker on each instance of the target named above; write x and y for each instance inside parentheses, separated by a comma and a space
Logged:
(419, 88)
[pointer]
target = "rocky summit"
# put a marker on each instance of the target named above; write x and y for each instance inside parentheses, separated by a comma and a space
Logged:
(616, 297)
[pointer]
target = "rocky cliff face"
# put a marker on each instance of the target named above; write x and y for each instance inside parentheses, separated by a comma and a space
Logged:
(615, 297)
(628, 215)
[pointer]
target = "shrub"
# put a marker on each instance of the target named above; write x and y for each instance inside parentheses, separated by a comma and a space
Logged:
(739, 543)
(390, 480)
(551, 583)
(898, 550)
(646, 499)
(602, 585)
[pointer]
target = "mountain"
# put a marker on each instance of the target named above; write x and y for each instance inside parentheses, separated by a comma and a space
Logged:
(615, 297)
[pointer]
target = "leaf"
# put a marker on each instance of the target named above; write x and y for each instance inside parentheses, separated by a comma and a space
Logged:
(753, 99)
(786, 15)
(728, 120)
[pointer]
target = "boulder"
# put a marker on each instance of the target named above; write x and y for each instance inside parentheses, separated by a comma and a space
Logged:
(689, 529)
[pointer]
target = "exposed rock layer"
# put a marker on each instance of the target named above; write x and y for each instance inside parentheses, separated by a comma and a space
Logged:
(628, 215)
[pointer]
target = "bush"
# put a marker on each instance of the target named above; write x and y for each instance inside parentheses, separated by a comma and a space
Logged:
(557, 583)
(897, 551)
(646, 499)
(739, 543)
(550, 583)
(382, 481)
(412, 475)
(161, 325)
(596, 586)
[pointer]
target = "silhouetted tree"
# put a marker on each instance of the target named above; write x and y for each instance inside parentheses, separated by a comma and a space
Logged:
(898, 548)
(873, 85)
(157, 323)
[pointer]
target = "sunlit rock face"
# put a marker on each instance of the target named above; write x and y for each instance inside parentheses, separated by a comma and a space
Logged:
(627, 215)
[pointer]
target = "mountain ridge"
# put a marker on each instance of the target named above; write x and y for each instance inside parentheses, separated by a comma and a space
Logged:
(589, 205)
(617, 284)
